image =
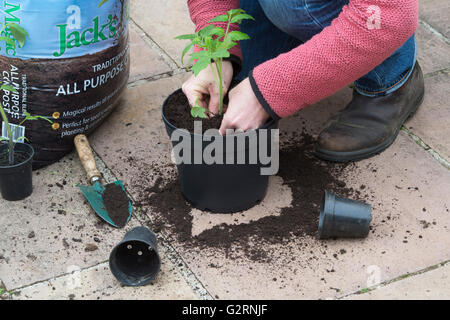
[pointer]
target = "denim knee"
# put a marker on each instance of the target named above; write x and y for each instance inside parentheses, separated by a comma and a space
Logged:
(281, 15)
(302, 19)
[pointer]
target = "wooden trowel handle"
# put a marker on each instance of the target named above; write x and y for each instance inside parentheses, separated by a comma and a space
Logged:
(87, 157)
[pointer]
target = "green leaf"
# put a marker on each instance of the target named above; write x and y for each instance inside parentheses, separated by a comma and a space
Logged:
(198, 112)
(7, 88)
(30, 117)
(234, 12)
(238, 18)
(200, 65)
(221, 18)
(203, 32)
(19, 33)
(102, 3)
(220, 54)
(201, 54)
(227, 44)
(210, 31)
(238, 36)
(20, 139)
(186, 49)
(186, 37)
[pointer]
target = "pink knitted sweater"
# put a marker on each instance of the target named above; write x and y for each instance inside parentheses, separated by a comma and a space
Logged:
(343, 52)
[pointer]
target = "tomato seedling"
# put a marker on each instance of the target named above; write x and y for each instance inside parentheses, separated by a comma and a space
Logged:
(214, 44)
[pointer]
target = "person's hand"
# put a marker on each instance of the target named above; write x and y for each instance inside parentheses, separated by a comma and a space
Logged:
(244, 111)
(204, 87)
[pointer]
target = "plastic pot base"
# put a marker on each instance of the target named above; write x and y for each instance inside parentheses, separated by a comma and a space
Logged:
(343, 218)
(135, 260)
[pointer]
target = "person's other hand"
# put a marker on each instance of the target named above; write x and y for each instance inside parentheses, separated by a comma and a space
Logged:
(204, 87)
(244, 111)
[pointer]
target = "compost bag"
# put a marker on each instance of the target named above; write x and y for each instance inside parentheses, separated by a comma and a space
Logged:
(72, 69)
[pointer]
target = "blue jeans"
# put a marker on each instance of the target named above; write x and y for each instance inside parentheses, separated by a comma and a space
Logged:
(282, 25)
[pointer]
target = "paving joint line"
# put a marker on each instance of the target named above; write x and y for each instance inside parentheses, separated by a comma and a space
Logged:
(18, 289)
(434, 31)
(437, 73)
(427, 148)
(397, 279)
(174, 257)
(153, 45)
(160, 76)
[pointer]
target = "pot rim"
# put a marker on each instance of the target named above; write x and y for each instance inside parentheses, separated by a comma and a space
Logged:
(265, 126)
(30, 152)
(326, 210)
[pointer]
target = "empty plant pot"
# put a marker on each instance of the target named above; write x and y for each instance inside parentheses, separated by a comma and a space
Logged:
(16, 179)
(343, 218)
(135, 260)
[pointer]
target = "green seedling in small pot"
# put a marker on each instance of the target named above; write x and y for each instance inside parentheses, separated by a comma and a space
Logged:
(15, 157)
(214, 44)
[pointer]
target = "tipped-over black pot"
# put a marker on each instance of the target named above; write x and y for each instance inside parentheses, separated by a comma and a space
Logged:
(135, 260)
(343, 218)
(221, 188)
(16, 180)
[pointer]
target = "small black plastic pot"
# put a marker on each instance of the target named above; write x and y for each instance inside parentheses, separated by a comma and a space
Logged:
(16, 180)
(135, 260)
(221, 188)
(343, 218)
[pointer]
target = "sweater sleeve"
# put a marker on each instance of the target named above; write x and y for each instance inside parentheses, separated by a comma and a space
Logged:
(202, 11)
(342, 53)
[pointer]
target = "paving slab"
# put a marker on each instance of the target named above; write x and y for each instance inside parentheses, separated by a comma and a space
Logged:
(431, 285)
(432, 121)
(434, 52)
(163, 20)
(98, 283)
(405, 185)
(47, 234)
(436, 13)
(145, 62)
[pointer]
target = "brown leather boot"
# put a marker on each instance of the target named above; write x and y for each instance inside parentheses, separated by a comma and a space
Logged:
(369, 125)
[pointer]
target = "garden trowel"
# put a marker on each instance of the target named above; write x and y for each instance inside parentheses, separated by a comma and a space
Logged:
(94, 193)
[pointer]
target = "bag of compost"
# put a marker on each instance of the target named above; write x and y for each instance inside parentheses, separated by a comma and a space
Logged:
(72, 69)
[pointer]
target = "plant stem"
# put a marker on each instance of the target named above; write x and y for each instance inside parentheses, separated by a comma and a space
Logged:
(220, 84)
(218, 79)
(219, 70)
(10, 136)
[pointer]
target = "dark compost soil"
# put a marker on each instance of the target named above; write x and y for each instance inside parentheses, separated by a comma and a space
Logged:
(178, 113)
(116, 203)
(306, 176)
(19, 157)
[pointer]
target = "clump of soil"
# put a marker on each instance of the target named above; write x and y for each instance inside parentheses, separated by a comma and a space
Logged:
(178, 112)
(306, 176)
(116, 204)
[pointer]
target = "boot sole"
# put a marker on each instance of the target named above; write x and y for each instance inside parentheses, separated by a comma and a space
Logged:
(362, 154)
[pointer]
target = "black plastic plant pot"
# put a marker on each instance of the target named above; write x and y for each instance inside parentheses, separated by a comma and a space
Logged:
(343, 218)
(225, 186)
(16, 180)
(135, 260)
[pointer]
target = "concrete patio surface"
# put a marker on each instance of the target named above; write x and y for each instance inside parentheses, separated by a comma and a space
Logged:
(53, 246)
